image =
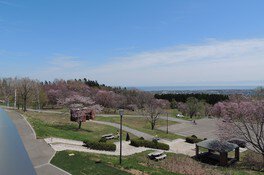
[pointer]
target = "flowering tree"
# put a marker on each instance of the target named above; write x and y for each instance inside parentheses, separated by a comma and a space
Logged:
(107, 99)
(193, 106)
(154, 109)
(243, 120)
(182, 107)
(80, 106)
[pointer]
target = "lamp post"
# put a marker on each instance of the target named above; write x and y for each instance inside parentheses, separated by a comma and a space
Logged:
(121, 113)
(167, 123)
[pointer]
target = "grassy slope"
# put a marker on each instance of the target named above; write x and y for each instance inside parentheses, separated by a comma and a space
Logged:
(58, 125)
(84, 163)
(141, 124)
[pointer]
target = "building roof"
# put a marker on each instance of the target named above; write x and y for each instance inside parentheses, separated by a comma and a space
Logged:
(216, 145)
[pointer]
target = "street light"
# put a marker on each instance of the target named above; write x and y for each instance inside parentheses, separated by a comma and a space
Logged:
(167, 122)
(121, 113)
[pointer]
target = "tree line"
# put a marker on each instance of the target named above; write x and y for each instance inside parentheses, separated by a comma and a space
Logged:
(26, 92)
(208, 98)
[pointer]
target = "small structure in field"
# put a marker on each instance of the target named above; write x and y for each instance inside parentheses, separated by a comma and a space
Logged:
(81, 115)
(217, 151)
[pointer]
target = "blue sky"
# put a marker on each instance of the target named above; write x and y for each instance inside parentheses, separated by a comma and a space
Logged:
(134, 42)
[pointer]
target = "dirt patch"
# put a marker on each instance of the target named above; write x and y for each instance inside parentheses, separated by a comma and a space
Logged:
(136, 172)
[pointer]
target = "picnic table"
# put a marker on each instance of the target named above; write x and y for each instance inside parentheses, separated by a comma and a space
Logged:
(108, 136)
(157, 155)
(155, 138)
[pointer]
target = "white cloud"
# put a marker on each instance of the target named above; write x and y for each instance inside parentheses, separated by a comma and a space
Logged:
(212, 61)
(64, 62)
(61, 66)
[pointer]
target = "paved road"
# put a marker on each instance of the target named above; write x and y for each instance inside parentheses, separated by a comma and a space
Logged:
(38, 150)
(205, 128)
(141, 116)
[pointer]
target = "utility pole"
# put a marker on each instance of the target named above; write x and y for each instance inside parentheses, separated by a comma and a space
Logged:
(121, 113)
(167, 123)
(15, 100)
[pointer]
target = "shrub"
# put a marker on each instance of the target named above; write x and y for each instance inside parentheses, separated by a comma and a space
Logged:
(149, 144)
(103, 139)
(127, 137)
(192, 139)
(194, 136)
(141, 138)
(252, 160)
(100, 145)
(155, 141)
(240, 143)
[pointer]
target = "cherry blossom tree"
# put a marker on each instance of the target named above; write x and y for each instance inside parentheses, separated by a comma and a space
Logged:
(108, 99)
(182, 107)
(154, 109)
(80, 106)
(243, 120)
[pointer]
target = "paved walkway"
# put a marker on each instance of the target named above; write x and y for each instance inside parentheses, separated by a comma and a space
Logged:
(127, 129)
(205, 128)
(38, 150)
(176, 146)
(59, 144)
(140, 116)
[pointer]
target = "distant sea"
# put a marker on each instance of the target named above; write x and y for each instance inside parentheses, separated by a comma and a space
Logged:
(192, 88)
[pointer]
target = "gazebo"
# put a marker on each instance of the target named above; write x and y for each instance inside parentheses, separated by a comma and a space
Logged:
(222, 147)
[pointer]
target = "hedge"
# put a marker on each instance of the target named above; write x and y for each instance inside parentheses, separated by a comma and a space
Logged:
(149, 144)
(100, 145)
(193, 139)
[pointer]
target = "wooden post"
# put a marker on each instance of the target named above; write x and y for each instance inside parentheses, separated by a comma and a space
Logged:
(237, 154)
(223, 158)
(197, 150)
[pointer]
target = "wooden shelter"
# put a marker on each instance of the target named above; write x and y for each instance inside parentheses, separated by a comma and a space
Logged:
(222, 147)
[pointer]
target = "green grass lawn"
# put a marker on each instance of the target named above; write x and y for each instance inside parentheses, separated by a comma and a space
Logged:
(84, 163)
(142, 124)
(174, 164)
(59, 125)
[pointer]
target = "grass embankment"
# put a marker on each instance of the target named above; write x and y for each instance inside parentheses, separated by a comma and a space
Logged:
(85, 163)
(143, 125)
(59, 125)
(174, 164)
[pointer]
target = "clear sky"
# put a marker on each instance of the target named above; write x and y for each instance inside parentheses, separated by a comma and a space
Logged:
(134, 42)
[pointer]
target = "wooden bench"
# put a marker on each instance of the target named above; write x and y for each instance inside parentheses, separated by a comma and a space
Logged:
(163, 156)
(155, 154)
(108, 136)
(155, 139)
